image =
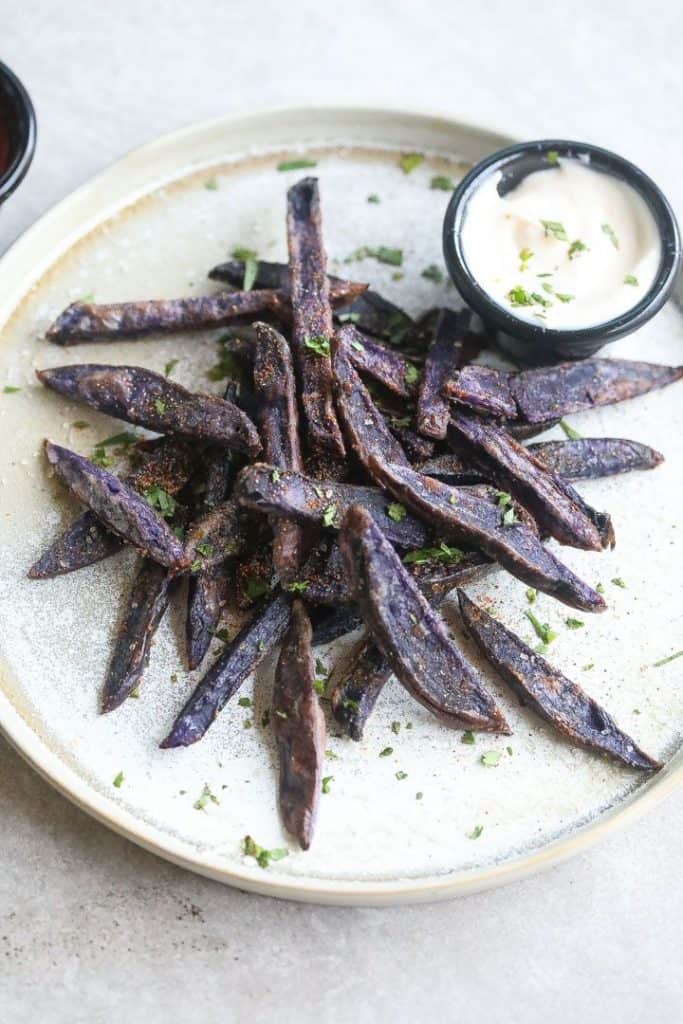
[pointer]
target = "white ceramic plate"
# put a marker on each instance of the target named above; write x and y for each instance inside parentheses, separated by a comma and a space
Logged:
(149, 226)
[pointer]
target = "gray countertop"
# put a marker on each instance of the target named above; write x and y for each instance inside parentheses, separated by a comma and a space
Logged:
(92, 927)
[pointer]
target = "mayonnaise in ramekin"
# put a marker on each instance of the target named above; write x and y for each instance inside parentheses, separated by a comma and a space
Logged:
(569, 247)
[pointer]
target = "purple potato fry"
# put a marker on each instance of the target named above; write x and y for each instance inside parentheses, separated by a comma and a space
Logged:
(146, 605)
(299, 726)
(556, 505)
(376, 360)
(323, 503)
(312, 327)
(465, 513)
(553, 391)
(587, 458)
(483, 389)
(409, 634)
(118, 506)
(227, 674)
(165, 462)
(150, 400)
(551, 695)
(443, 359)
(278, 423)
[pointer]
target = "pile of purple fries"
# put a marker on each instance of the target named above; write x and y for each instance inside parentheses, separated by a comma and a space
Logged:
(358, 469)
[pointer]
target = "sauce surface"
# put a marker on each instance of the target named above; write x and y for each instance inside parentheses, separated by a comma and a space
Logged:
(569, 247)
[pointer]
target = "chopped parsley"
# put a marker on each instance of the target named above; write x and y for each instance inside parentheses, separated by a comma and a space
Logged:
(519, 297)
(444, 553)
(564, 297)
(329, 514)
(556, 229)
(396, 512)
(160, 406)
(569, 431)
(318, 343)
(204, 549)
(350, 705)
(275, 476)
(387, 752)
(541, 629)
(491, 758)
(396, 728)
(383, 253)
(170, 367)
(576, 248)
(262, 856)
(297, 587)
(618, 582)
(476, 832)
(244, 702)
(600, 588)
(665, 661)
(162, 501)
(573, 623)
(348, 318)
(531, 594)
(412, 374)
(211, 184)
(509, 517)
(631, 279)
(326, 783)
(206, 796)
(524, 256)
(611, 234)
(9, 389)
(373, 198)
(468, 737)
(442, 183)
(80, 424)
(118, 781)
(552, 156)
(401, 775)
(301, 164)
(409, 161)
(418, 796)
(319, 686)
(433, 273)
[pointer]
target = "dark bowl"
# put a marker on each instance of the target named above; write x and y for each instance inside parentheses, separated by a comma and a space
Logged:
(535, 343)
(18, 121)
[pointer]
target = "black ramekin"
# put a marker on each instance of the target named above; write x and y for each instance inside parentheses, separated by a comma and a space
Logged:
(19, 120)
(535, 343)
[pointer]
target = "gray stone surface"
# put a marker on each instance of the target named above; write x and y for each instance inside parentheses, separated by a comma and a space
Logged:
(93, 929)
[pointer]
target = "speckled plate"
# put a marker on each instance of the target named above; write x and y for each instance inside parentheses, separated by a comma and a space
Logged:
(153, 225)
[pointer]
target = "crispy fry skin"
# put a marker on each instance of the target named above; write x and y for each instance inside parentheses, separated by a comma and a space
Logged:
(276, 276)
(357, 682)
(300, 732)
(149, 400)
(538, 685)
(146, 605)
(165, 462)
(205, 601)
(556, 505)
(83, 321)
(554, 391)
(483, 389)
(479, 522)
(311, 315)
(118, 506)
(295, 496)
(409, 634)
(444, 357)
(378, 361)
(228, 673)
(364, 425)
(331, 623)
(370, 312)
(590, 457)
(278, 423)
(584, 459)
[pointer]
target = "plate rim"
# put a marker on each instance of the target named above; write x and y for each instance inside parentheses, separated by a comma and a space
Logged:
(23, 272)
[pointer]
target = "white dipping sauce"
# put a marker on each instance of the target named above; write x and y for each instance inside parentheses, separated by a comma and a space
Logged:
(569, 247)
